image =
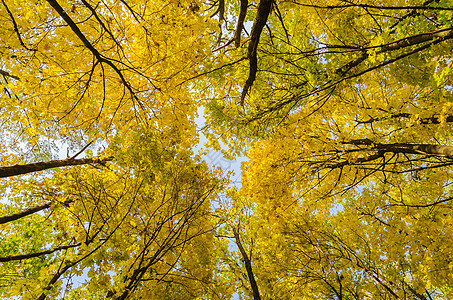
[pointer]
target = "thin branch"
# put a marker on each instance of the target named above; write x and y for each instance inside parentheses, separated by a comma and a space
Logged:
(93, 11)
(16, 28)
(212, 71)
(424, 121)
(423, 205)
(240, 24)
(24, 213)
(83, 149)
(7, 74)
(90, 47)
(280, 18)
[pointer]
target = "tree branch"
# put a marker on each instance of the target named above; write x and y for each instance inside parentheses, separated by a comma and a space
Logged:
(407, 148)
(24, 213)
(445, 33)
(425, 121)
(240, 24)
(409, 7)
(16, 28)
(37, 254)
(75, 29)
(40, 166)
(90, 47)
(30, 211)
(7, 74)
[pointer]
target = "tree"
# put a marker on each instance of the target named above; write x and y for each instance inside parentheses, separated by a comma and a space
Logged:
(343, 43)
(128, 215)
(343, 109)
(349, 127)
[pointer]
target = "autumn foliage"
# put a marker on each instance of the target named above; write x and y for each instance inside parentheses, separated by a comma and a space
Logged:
(343, 109)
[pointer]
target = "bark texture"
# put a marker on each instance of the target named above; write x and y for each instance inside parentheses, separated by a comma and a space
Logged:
(240, 24)
(40, 166)
(264, 9)
(407, 148)
(37, 254)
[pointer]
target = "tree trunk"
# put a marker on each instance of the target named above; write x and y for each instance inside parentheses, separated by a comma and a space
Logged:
(248, 266)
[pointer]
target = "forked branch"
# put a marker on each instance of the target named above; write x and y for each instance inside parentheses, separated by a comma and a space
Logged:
(264, 8)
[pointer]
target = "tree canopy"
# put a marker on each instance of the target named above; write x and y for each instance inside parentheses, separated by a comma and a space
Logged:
(343, 109)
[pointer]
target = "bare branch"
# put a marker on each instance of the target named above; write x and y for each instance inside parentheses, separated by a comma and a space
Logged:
(40, 166)
(24, 213)
(16, 28)
(7, 74)
(443, 34)
(409, 7)
(37, 254)
(423, 149)
(240, 24)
